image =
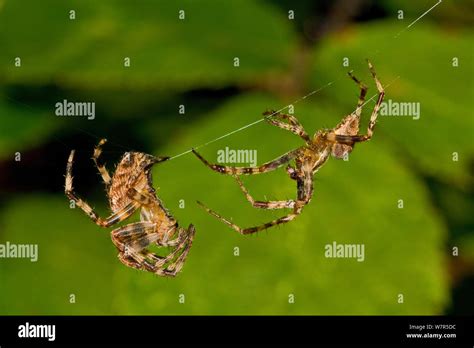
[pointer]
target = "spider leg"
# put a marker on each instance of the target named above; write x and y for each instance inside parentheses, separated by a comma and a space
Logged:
(373, 117)
(350, 124)
(294, 126)
(145, 199)
(127, 260)
(291, 172)
(249, 230)
(363, 93)
(304, 192)
(137, 235)
(182, 234)
(131, 241)
(266, 167)
(351, 139)
(175, 266)
(101, 167)
(262, 204)
(116, 217)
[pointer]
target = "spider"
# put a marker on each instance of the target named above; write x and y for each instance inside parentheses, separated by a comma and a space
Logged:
(337, 142)
(128, 190)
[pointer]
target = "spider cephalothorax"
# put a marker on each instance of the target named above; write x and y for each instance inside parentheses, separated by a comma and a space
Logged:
(337, 142)
(128, 190)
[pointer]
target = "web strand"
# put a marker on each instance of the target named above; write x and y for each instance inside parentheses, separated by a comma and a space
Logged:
(272, 114)
(416, 20)
(304, 97)
(255, 122)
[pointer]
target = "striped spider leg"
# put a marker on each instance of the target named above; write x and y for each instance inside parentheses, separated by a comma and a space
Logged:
(348, 128)
(337, 142)
(128, 190)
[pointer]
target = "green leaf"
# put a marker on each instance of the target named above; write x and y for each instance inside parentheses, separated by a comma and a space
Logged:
(74, 257)
(165, 52)
(23, 127)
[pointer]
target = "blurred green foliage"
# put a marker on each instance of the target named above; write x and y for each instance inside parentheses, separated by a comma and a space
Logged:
(166, 53)
(355, 201)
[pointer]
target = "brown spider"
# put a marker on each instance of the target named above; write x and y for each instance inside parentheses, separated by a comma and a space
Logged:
(338, 141)
(128, 190)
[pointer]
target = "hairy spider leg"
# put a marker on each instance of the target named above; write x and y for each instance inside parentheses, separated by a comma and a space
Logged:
(173, 268)
(136, 249)
(294, 126)
(146, 199)
(249, 230)
(266, 167)
(351, 139)
(114, 218)
(137, 235)
(132, 240)
(375, 111)
(350, 124)
(265, 204)
(363, 93)
(304, 194)
(101, 167)
(305, 191)
(176, 266)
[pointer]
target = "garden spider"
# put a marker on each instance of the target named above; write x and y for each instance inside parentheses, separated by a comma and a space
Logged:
(338, 141)
(128, 190)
